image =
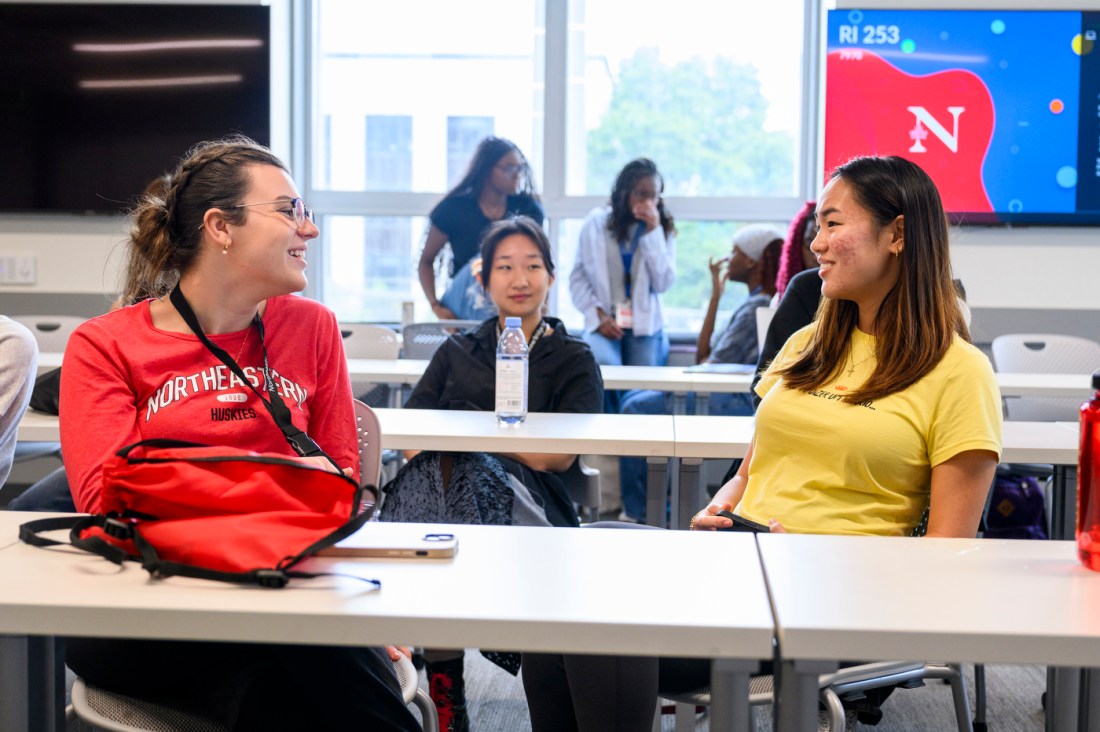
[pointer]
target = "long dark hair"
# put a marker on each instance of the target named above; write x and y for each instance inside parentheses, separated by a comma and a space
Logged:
(622, 219)
(919, 316)
(488, 153)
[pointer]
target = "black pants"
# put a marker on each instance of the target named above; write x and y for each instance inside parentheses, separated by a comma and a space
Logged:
(251, 686)
(613, 693)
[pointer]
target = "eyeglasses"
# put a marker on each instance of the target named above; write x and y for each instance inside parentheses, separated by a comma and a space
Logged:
(298, 213)
(510, 168)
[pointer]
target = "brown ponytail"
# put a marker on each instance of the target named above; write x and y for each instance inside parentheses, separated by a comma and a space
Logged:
(166, 225)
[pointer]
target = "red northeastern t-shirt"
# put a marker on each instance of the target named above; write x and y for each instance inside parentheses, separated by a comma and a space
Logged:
(124, 380)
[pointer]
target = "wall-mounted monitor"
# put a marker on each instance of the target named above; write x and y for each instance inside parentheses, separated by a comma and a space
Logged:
(97, 100)
(1000, 107)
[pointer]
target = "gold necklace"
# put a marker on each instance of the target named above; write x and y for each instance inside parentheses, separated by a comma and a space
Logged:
(247, 333)
(852, 366)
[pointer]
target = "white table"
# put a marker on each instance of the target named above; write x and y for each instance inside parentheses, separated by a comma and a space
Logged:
(517, 588)
(1045, 385)
(406, 372)
(396, 371)
(953, 600)
(463, 431)
(48, 360)
(38, 427)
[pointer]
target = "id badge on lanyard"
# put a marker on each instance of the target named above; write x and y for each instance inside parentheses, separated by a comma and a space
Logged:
(624, 314)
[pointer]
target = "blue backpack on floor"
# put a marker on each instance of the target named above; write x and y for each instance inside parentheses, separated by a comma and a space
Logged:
(1016, 508)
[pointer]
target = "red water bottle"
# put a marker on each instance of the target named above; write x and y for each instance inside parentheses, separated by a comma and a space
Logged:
(1088, 481)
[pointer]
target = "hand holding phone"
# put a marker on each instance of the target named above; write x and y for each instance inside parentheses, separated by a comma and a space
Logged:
(740, 523)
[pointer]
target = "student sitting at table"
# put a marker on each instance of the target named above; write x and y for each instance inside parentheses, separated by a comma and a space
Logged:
(754, 261)
(225, 243)
(18, 363)
(875, 415)
(479, 488)
(796, 255)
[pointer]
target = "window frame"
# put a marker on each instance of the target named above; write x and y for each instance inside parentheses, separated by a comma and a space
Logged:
(556, 203)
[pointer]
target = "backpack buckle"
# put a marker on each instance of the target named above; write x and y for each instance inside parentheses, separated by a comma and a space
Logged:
(118, 529)
(271, 578)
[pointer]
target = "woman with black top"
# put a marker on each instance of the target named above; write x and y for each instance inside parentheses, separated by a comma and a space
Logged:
(497, 185)
(515, 488)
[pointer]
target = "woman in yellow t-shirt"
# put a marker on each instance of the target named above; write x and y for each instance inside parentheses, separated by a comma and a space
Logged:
(874, 413)
(881, 408)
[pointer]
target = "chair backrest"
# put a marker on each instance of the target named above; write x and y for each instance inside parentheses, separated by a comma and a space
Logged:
(370, 444)
(1044, 353)
(763, 320)
(582, 483)
(362, 340)
(51, 331)
(422, 339)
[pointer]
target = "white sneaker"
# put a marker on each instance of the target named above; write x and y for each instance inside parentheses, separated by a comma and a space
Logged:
(624, 516)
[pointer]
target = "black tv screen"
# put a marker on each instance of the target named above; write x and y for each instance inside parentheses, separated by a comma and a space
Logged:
(1000, 107)
(97, 100)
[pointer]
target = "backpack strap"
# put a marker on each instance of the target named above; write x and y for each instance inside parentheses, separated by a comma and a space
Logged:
(275, 577)
(31, 533)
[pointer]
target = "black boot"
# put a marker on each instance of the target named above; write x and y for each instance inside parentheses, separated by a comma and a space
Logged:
(448, 690)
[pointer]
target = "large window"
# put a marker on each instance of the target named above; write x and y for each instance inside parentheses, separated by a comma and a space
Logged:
(712, 92)
(388, 162)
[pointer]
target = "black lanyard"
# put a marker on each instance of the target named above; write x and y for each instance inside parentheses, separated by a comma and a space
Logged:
(540, 331)
(299, 441)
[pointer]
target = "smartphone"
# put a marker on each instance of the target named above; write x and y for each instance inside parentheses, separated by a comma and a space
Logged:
(740, 523)
(416, 545)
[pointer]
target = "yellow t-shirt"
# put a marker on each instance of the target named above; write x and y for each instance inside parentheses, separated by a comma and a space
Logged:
(824, 466)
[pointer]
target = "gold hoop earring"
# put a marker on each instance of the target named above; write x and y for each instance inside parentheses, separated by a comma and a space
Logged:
(225, 249)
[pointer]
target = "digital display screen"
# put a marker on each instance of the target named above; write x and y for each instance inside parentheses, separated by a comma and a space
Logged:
(96, 100)
(1001, 108)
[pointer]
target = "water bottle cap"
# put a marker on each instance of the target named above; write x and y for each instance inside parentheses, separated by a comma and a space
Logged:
(513, 322)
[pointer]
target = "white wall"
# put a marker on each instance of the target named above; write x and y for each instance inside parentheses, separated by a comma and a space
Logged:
(1038, 268)
(74, 254)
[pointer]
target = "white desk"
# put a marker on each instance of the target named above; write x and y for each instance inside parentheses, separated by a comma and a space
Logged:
(38, 427)
(397, 371)
(464, 431)
(1045, 385)
(407, 372)
(955, 600)
(48, 360)
(524, 589)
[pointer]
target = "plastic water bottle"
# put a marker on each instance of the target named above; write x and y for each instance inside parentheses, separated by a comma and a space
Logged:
(512, 373)
(1088, 481)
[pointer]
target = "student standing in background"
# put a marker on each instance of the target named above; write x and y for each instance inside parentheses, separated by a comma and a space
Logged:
(625, 259)
(497, 185)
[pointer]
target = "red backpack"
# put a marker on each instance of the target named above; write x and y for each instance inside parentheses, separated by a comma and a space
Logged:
(214, 513)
